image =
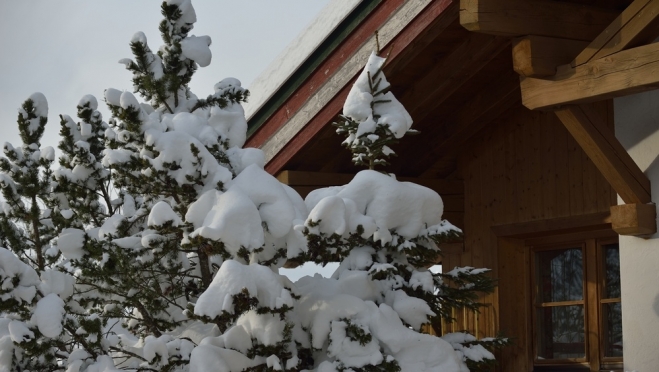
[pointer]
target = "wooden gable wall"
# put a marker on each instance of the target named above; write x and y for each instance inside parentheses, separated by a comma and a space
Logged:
(525, 167)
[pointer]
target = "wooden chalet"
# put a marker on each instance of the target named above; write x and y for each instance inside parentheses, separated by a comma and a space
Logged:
(525, 137)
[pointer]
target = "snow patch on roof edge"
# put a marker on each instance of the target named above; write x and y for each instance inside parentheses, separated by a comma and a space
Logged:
(264, 87)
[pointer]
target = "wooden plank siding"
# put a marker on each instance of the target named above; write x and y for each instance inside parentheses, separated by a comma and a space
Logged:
(525, 167)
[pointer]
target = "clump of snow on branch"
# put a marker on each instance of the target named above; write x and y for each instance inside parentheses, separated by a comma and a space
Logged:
(372, 117)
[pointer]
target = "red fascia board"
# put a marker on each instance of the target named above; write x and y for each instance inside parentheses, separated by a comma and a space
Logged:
(324, 71)
(334, 107)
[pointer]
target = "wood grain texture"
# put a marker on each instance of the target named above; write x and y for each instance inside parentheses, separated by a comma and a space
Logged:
(638, 24)
(626, 72)
(634, 219)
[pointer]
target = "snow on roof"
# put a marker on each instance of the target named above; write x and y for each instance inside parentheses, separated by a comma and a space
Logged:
(276, 74)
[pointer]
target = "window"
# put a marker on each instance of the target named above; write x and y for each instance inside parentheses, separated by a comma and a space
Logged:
(577, 318)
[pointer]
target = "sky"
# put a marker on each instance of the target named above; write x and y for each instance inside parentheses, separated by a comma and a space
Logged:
(69, 48)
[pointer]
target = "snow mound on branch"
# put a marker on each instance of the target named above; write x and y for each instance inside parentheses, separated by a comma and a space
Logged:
(193, 125)
(388, 111)
(40, 105)
(326, 305)
(162, 213)
(70, 243)
(197, 49)
(53, 281)
(48, 315)
(381, 203)
(237, 217)
(12, 267)
(188, 14)
(113, 96)
(175, 147)
(19, 331)
(269, 196)
(229, 217)
(232, 278)
(88, 99)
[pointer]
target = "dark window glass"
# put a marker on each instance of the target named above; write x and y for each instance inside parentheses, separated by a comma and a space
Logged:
(561, 333)
(612, 271)
(560, 274)
(612, 332)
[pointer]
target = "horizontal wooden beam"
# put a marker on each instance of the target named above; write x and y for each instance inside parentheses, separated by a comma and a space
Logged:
(588, 127)
(538, 56)
(560, 225)
(634, 219)
(638, 24)
(535, 17)
(626, 72)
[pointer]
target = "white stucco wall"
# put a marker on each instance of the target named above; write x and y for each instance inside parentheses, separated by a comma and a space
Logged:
(637, 128)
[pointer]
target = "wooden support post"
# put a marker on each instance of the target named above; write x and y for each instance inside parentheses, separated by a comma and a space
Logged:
(588, 128)
(638, 24)
(534, 17)
(538, 56)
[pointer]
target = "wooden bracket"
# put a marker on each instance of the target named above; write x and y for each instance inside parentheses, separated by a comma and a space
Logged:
(588, 127)
(634, 219)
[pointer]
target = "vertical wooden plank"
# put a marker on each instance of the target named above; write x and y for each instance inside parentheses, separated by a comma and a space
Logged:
(561, 160)
(522, 169)
(470, 171)
(537, 179)
(576, 176)
(513, 260)
(590, 177)
(548, 161)
(510, 207)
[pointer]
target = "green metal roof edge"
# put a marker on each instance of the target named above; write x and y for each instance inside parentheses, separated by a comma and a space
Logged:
(286, 90)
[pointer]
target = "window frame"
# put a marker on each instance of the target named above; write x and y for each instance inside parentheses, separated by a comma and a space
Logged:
(593, 302)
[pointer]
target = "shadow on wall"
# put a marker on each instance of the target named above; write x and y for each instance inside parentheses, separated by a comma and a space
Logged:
(642, 109)
(655, 305)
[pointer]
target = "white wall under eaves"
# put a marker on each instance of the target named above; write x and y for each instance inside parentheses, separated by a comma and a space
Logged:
(276, 74)
(637, 129)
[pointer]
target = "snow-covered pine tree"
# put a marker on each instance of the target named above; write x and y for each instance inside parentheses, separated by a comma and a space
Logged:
(401, 241)
(156, 244)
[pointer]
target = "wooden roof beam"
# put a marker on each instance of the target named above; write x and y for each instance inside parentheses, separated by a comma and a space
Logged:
(626, 72)
(638, 24)
(535, 17)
